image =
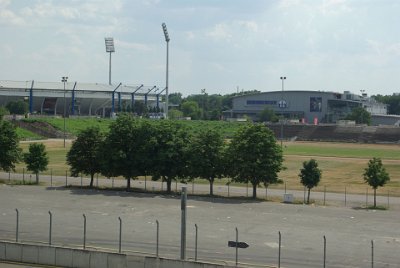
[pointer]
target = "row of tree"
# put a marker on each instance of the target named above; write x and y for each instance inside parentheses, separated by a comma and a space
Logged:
(168, 151)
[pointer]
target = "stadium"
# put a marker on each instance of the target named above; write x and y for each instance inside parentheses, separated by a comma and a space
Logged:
(312, 107)
(79, 99)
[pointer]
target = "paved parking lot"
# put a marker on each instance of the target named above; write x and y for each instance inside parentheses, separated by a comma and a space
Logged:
(348, 231)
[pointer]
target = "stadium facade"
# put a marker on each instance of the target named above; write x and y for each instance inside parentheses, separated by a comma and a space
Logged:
(84, 99)
(307, 106)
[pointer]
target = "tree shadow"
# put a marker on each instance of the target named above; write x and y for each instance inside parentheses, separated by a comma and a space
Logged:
(140, 193)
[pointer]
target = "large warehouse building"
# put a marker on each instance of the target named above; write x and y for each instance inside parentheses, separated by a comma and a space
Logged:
(85, 99)
(307, 106)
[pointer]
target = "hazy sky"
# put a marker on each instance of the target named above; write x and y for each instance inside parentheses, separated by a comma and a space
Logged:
(327, 45)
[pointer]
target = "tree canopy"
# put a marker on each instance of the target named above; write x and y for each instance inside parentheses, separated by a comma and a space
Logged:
(254, 156)
(84, 155)
(360, 115)
(17, 107)
(206, 156)
(9, 146)
(375, 175)
(310, 175)
(36, 159)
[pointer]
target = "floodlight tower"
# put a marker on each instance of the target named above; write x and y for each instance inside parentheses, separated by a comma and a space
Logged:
(109, 49)
(283, 106)
(164, 26)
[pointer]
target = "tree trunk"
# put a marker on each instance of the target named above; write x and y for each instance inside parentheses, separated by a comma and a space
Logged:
(37, 178)
(308, 197)
(91, 180)
(169, 182)
(254, 190)
(374, 197)
(211, 180)
(128, 184)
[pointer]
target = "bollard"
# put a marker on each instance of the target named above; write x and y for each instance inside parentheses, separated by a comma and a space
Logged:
(84, 231)
(324, 251)
(279, 249)
(195, 243)
(372, 253)
(157, 237)
(50, 226)
(324, 194)
(120, 234)
(17, 226)
(237, 241)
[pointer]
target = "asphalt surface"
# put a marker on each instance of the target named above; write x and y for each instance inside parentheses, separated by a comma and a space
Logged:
(348, 231)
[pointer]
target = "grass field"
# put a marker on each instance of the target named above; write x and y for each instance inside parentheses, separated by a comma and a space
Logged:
(342, 164)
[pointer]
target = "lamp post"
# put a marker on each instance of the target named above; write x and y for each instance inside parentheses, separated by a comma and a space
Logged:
(166, 35)
(64, 80)
(282, 104)
(109, 49)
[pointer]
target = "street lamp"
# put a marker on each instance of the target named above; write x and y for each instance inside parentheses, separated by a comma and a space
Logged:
(109, 49)
(166, 35)
(64, 80)
(283, 105)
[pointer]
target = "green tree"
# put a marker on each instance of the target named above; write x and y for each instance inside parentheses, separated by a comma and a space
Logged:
(360, 115)
(3, 112)
(36, 159)
(170, 155)
(84, 156)
(123, 149)
(254, 156)
(17, 107)
(206, 156)
(191, 109)
(267, 115)
(310, 175)
(175, 98)
(375, 175)
(174, 114)
(10, 153)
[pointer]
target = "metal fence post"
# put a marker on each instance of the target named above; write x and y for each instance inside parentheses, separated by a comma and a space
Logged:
(120, 234)
(193, 186)
(157, 237)
(176, 186)
(324, 194)
(84, 231)
(237, 241)
(366, 199)
(23, 175)
(145, 182)
(195, 243)
(266, 193)
(279, 249)
(17, 226)
(345, 196)
(9, 176)
(229, 183)
(388, 198)
(285, 187)
(372, 253)
(183, 222)
(247, 189)
(51, 177)
(112, 182)
(304, 195)
(81, 181)
(97, 180)
(324, 251)
(66, 178)
(50, 226)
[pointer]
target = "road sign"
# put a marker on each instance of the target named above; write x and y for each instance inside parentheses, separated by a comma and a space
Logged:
(233, 244)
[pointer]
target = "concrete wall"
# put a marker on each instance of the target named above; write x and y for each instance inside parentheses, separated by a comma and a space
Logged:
(69, 257)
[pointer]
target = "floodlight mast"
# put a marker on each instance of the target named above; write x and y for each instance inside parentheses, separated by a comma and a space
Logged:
(166, 35)
(109, 49)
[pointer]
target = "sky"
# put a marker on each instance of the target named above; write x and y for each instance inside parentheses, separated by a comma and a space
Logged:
(222, 46)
